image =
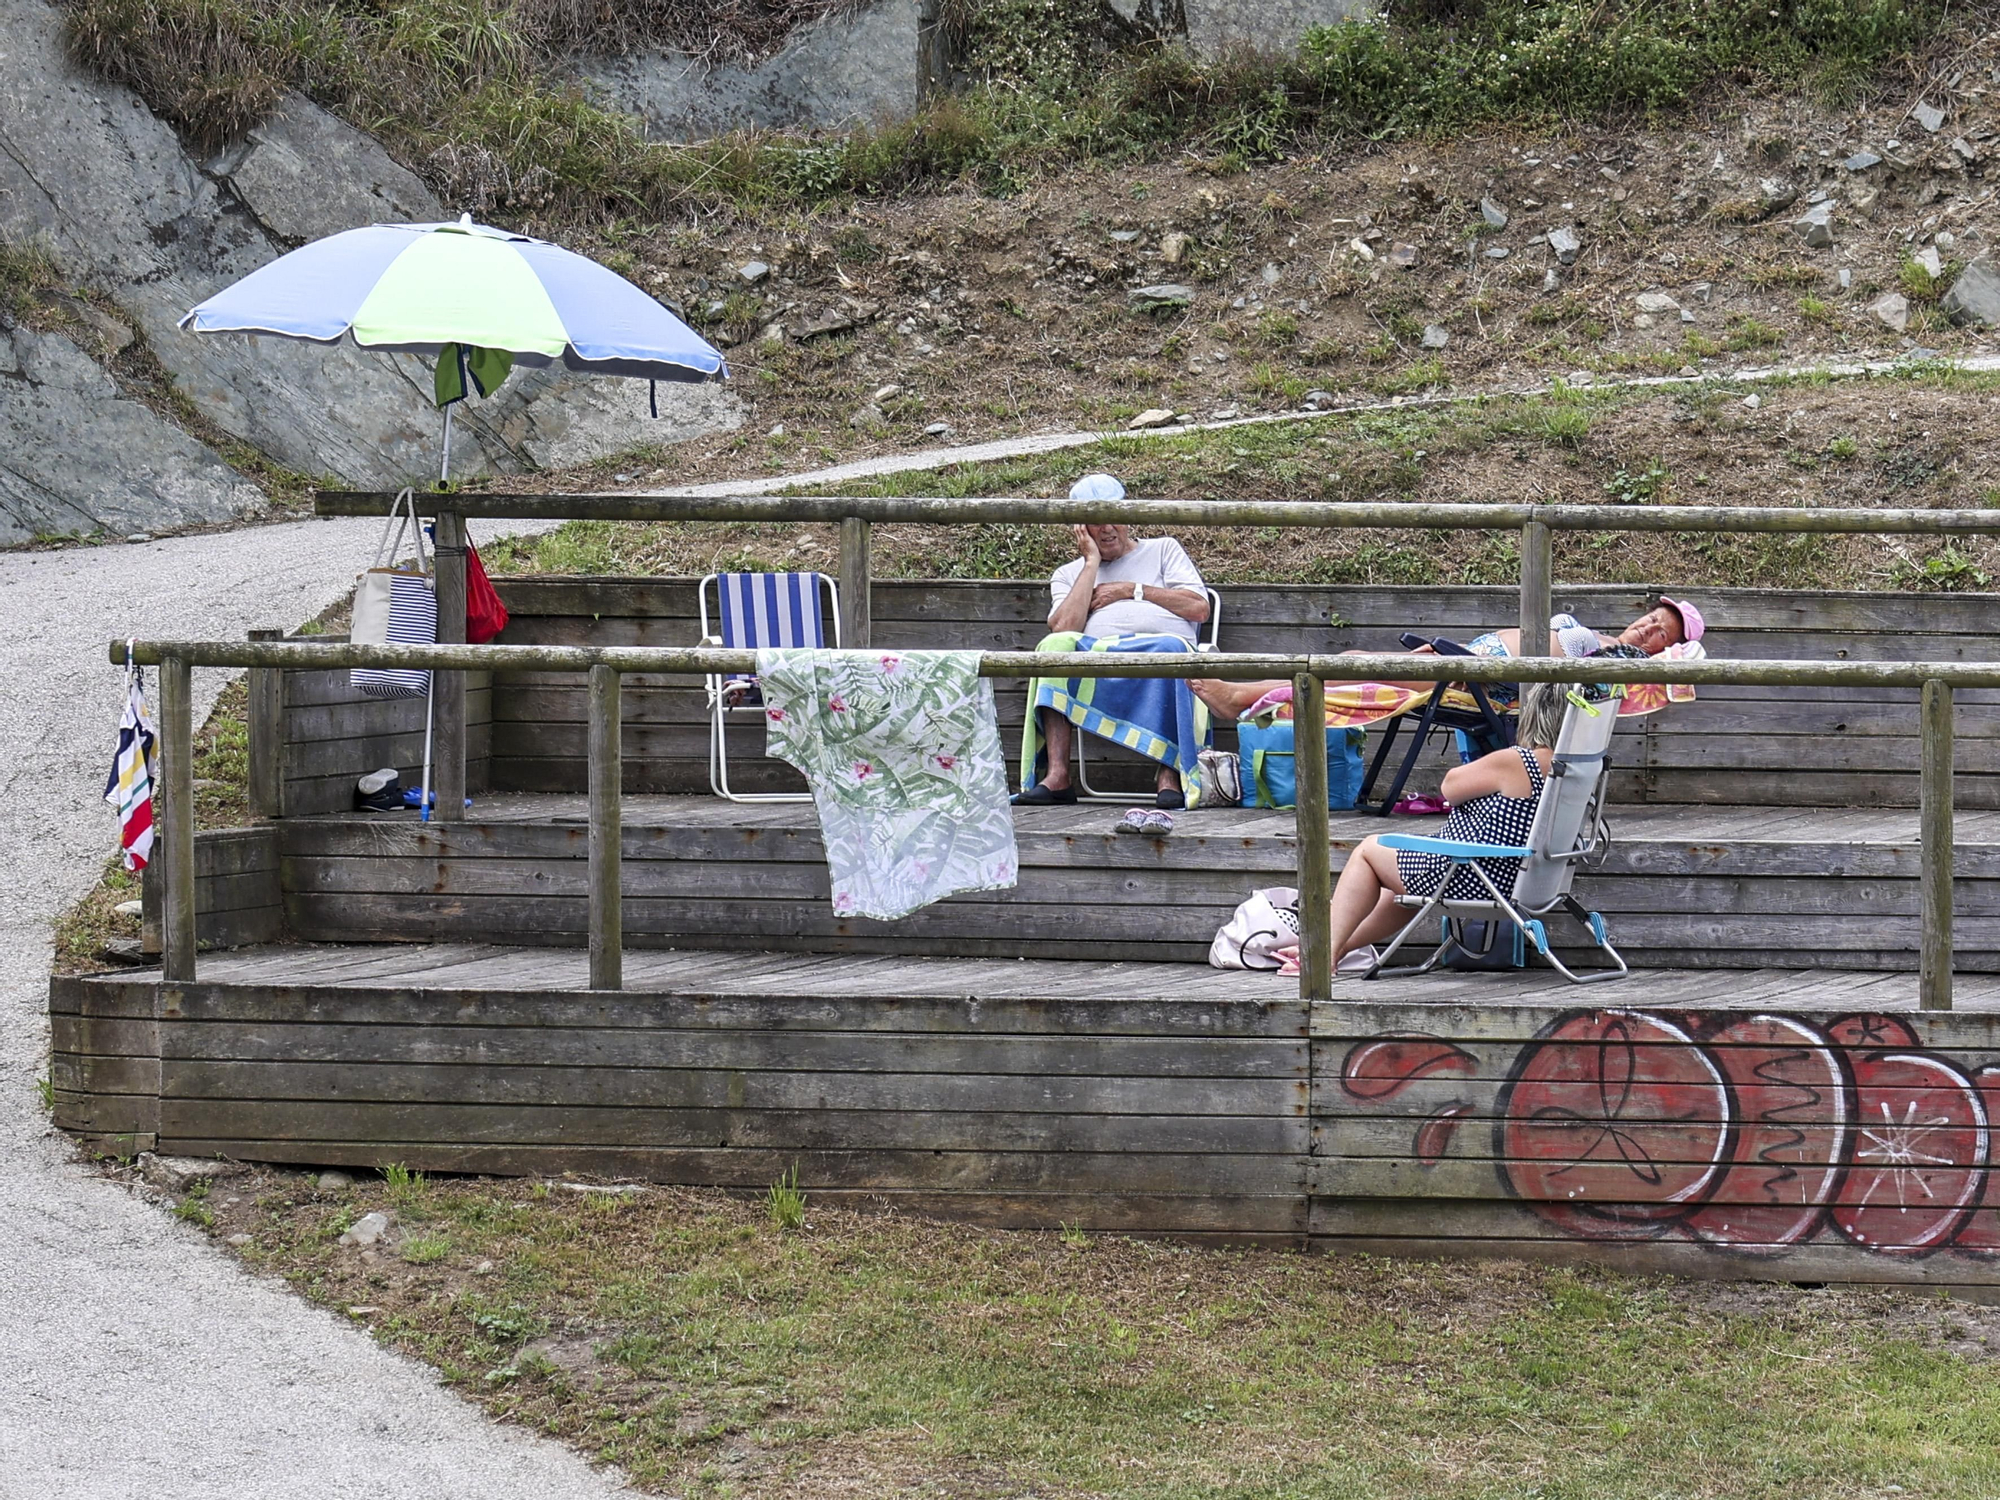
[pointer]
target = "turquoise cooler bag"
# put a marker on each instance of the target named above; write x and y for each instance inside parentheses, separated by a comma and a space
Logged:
(1270, 769)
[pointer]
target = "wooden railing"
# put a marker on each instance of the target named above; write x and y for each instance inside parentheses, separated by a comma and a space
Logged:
(856, 515)
(605, 666)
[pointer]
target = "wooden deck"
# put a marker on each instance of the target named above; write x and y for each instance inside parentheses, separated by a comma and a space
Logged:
(1803, 1125)
(492, 966)
(1683, 886)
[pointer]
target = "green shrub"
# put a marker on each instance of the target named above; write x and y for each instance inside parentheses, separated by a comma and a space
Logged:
(473, 93)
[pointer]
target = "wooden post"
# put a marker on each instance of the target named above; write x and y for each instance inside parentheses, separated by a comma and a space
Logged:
(607, 774)
(857, 579)
(267, 733)
(1314, 852)
(933, 50)
(174, 809)
(1934, 972)
(1535, 605)
(448, 688)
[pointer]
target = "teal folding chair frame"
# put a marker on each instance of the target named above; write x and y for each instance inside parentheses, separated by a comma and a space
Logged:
(1569, 827)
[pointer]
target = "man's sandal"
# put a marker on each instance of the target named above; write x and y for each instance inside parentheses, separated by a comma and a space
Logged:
(1043, 795)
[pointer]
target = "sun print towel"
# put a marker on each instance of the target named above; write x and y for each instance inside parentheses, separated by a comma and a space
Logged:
(902, 751)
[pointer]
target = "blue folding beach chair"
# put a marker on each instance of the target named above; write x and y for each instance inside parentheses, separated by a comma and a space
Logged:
(1569, 827)
(754, 611)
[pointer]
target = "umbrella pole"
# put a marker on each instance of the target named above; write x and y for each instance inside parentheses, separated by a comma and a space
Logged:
(430, 678)
(424, 805)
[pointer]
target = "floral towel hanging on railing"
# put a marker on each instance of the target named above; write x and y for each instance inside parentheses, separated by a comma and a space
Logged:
(903, 754)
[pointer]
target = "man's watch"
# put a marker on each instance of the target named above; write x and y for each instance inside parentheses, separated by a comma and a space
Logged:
(1138, 593)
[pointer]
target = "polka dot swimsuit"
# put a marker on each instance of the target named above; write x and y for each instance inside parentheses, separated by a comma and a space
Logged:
(1493, 819)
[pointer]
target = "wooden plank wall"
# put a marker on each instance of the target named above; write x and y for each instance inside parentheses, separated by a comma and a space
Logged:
(1678, 891)
(1678, 1137)
(332, 734)
(714, 883)
(237, 897)
(1140, 1115)
(1848, 1146)
(1744, 746)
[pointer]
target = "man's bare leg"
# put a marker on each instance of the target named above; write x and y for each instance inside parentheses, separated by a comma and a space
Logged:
(1056, 743)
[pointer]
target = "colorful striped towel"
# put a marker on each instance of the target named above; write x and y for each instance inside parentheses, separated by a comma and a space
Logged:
(1159, 717)
(130, 787)
(1353, 705)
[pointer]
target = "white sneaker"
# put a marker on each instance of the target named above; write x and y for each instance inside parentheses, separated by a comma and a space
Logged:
(1360, 961)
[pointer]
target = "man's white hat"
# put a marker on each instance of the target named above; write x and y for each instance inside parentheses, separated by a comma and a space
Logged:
(1097, 487)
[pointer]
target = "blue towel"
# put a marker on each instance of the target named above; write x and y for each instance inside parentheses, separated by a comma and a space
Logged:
(1159, 717)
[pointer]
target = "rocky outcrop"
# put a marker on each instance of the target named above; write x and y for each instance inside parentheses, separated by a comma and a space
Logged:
(81, 457)
(849, 68)
(862, 65)
(305, 173)
(1218, 26)
(84, 163)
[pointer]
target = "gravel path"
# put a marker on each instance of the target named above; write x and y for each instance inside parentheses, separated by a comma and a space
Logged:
(140, 1360)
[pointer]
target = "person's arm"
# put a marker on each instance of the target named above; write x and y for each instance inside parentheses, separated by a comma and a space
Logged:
(1180, 593)
(1073, 608)
(1501, 771)
(1189, 604)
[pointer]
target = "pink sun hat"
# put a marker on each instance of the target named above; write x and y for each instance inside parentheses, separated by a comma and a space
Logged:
(1692, 624)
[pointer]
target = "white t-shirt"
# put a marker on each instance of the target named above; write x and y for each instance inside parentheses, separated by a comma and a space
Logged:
(1157, 562)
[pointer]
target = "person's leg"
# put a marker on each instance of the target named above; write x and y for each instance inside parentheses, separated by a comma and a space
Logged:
(1364, 898)
(1055, 739)
(1229, 699)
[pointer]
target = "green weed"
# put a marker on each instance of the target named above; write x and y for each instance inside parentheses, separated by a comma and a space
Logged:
(1747, 333)
(785, 1203)
(1566, 426)
(1645, 486)
(193, 1207)
(1948, 570)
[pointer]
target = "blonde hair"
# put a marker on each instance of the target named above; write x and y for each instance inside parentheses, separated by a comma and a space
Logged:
(1543, 705)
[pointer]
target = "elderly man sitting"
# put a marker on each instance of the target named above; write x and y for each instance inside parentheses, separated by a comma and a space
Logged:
(1120, 594)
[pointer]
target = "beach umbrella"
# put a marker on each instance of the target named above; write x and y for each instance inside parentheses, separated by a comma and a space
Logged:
(479, 300)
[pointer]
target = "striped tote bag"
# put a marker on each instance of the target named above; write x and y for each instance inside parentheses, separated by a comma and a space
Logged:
(395, 604)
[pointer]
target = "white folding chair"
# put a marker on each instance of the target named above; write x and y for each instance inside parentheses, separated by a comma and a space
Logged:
(1204, 641)
(1569, 827)
(753, 611)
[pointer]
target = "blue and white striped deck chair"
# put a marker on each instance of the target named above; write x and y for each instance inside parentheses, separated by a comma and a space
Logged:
(755, 610)
(1569, 827)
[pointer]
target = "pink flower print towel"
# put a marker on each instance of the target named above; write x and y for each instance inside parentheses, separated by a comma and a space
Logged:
(903, 755)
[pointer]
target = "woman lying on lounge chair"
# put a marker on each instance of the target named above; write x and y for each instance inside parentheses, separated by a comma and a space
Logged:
(1666, 625)
(1493, 801)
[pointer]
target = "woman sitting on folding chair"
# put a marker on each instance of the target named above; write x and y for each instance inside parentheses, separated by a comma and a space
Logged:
(1493, 801)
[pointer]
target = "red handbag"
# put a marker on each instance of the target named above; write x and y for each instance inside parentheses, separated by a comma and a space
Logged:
(485, 615)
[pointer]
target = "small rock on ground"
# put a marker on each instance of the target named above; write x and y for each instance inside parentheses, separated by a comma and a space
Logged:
(1891, 311)
(176, 1174)
(1975, 294)
(1156, 416)
(366, 1230)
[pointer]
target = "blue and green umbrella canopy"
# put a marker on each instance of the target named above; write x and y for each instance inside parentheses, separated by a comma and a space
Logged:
(474, 295)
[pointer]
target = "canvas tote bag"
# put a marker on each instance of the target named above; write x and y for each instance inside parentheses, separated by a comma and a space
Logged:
(395, 604)
(1266, 922)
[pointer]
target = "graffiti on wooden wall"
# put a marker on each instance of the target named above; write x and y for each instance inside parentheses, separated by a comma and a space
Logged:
(1748, 1132)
